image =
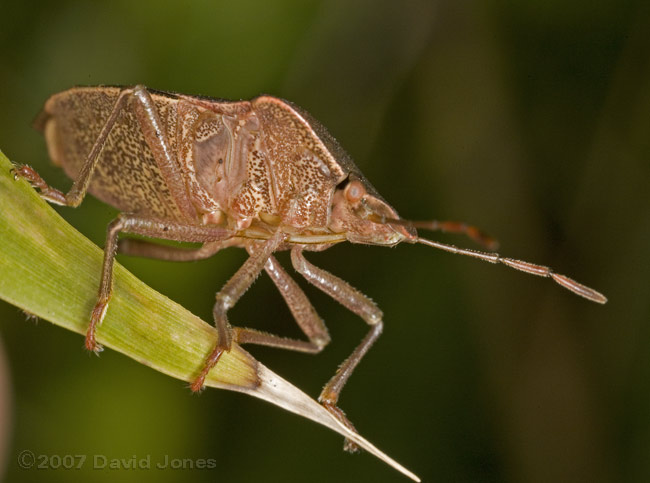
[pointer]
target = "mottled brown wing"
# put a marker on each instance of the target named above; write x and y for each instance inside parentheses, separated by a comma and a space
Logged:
(127, 176)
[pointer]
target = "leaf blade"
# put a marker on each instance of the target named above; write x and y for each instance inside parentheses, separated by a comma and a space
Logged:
(49, 269)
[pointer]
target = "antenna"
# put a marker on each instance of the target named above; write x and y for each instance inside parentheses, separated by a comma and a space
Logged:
(490, 243)
(456, 227)
(527, 267)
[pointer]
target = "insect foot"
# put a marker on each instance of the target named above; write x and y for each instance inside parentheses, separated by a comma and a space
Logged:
(330, 404)
(48, 193)
(95, 320)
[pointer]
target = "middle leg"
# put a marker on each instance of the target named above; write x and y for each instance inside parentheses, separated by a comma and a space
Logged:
(301, 309)
(228, 296)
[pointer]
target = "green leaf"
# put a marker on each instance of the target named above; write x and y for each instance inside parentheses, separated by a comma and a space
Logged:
(49, 269)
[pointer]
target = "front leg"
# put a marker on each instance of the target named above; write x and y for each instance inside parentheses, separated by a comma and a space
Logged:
(355, 301)
(228, 296)
(147, 227)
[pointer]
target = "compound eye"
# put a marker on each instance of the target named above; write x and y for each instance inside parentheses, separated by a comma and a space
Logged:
(354, 191)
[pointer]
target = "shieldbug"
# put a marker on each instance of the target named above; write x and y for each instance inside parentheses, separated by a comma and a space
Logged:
(262, 175)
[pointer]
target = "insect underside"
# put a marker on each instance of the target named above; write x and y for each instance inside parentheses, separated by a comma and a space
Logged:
(262, 175)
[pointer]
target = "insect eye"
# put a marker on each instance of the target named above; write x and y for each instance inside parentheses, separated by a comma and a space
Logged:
(354, 191)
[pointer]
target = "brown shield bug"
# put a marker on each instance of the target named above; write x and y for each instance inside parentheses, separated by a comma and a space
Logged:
(262, 175)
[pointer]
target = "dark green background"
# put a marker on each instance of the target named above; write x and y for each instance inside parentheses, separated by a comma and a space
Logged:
(528, 118)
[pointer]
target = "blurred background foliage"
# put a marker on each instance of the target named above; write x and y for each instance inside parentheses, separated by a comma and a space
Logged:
(528, 118)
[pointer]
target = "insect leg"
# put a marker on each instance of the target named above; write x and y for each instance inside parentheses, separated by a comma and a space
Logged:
(355, 301)
(80, 185)
(228, 296)
(299, 305)
(155, 137)
(302, 310)
(141, 226)
(141, 248)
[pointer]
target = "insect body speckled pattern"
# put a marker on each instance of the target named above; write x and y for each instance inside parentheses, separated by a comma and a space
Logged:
(262, 175)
